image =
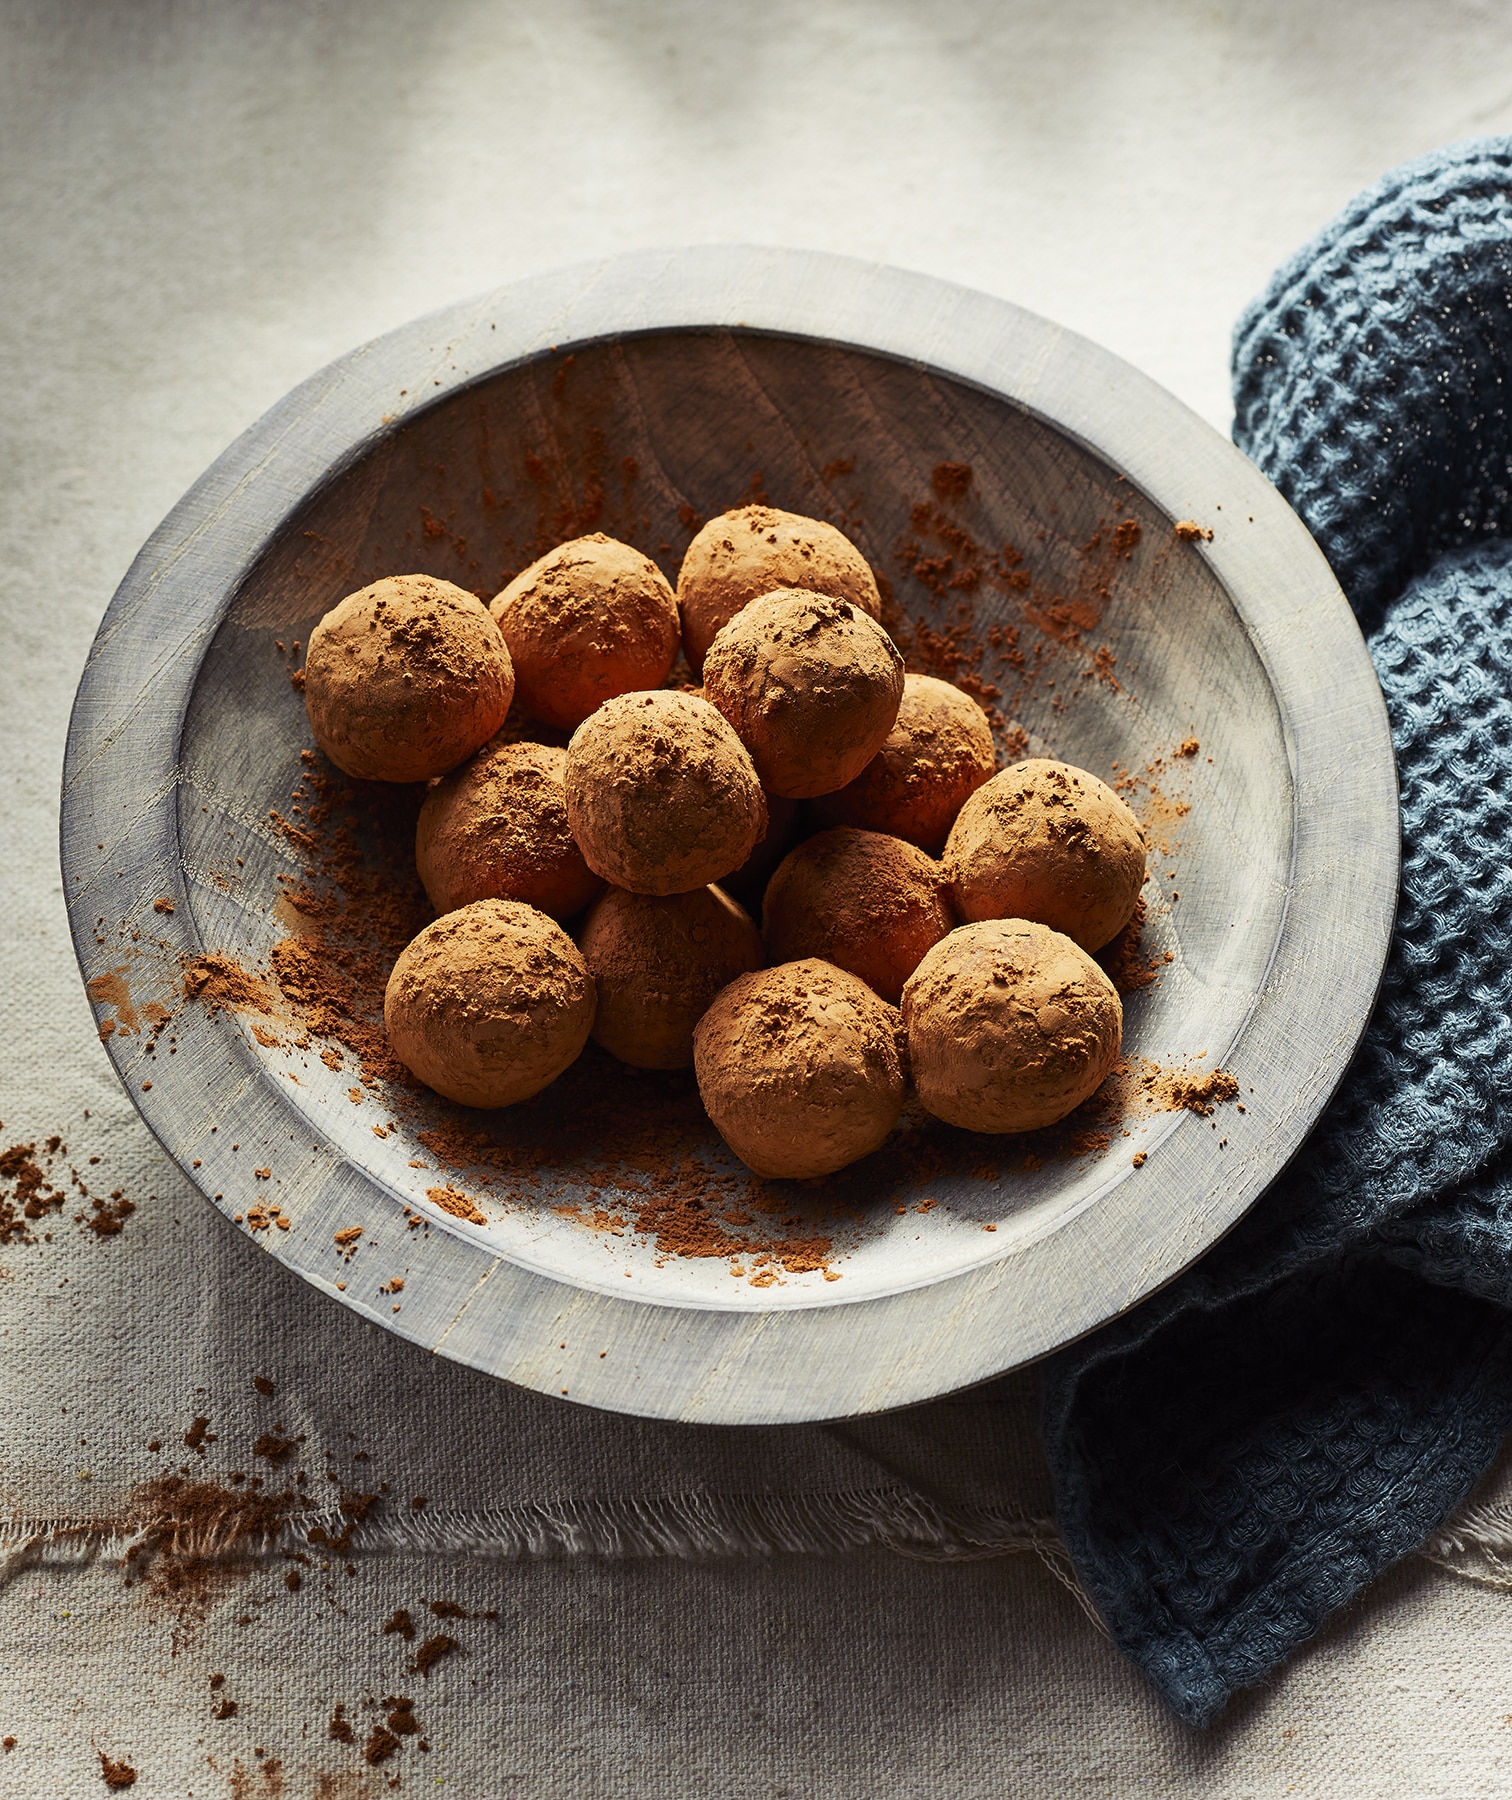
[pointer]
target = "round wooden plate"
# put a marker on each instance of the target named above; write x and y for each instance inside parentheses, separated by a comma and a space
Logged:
(983, 459)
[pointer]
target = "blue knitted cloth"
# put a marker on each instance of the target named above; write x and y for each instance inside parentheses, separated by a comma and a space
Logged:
(1239, 1456)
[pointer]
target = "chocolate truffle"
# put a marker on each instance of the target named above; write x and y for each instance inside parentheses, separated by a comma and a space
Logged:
(405, 679)
(938, 753)
(1010, 1026)
(657, 961)
(589, 620)
(811, 686)
(489, 1004)
(661, 795)
(742, 555)
(1048, 842)
(496, 829)
(869, 904)
(800, 1068)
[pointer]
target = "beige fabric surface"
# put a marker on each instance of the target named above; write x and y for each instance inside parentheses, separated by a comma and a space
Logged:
(201, 203)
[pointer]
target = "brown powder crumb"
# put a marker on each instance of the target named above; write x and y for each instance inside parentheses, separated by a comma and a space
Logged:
(1190, 532)
(112, 990)
(116, 1774)
(262, 1384)
(951, 481)
(381, 1745)
(1126, 535)
(401, 1719)
(7, 1743)
(448, 1609)
(221, 984)
(340, 1728)
(348, 1234)
(354, 1508)
(430, 1653)
(199, 1434)
(1129, 966)
(457, 1204)
(1138, 1159)
(1196, 1092)
(227, 1709)
(33, 1193)
(191, 1539)
(401, 1623)
(106, 1217)
(162, 904)
(273, 1447)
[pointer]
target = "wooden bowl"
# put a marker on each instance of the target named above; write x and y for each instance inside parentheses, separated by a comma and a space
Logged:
(983, 459)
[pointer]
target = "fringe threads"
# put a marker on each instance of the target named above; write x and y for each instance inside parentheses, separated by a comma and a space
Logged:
(685, 1525)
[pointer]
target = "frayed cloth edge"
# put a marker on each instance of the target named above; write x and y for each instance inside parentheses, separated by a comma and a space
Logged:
(692, 1525)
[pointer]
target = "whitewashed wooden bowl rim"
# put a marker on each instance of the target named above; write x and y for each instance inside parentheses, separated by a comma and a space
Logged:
(833, 1358)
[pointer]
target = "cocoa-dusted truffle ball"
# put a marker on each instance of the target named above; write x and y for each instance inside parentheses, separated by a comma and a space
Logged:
(800, 1068)
(661, 795)
(657, 961)
(811, 686)
(1010, 1026)
(742, 555)
(406, 678)
(1048, 842)
(489, 1004)
(496, 829)
(591, 619)
(870, 904)
(938, 753)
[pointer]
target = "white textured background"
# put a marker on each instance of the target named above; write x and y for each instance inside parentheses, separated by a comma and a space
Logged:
(199, 205)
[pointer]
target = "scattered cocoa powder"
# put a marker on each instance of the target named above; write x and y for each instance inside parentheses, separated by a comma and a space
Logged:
(1148, 793)
(431, 1652)
(221, 984)
(380, 1745)
(116, 1774)
(356, 905)
(106, 1217)
(1197, 1091)
(452, 1201)
(112, 989)
(190, 1540)
(1129, 965)
(32, 1195)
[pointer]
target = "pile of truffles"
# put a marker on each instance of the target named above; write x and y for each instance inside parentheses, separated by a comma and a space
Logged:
(925, 920)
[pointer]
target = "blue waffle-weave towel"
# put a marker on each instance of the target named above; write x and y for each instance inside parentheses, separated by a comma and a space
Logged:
(1239, 1456)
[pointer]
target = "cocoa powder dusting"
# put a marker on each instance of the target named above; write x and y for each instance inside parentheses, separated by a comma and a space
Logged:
(431, 1652)
(943, 557)
(1195, 1091)
(191, 1540)
(221, 984)
(356, 905)
(1129, 965)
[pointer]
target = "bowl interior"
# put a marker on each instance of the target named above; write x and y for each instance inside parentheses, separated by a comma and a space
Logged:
(1013, 559)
